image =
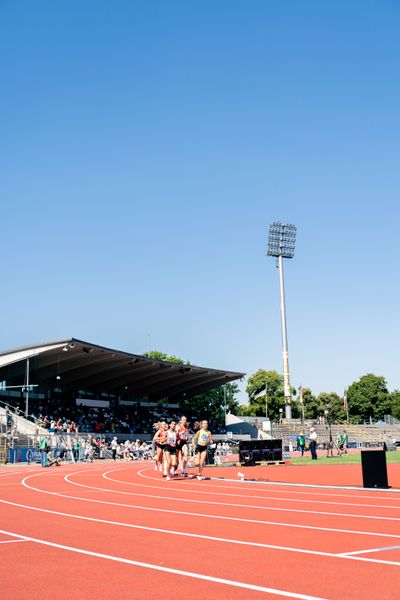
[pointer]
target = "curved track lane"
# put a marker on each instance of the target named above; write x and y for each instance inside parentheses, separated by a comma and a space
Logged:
(126, 531)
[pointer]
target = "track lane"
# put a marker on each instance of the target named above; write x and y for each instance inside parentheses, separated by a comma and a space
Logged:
(219, 515)
(248, 566)
(145, 540)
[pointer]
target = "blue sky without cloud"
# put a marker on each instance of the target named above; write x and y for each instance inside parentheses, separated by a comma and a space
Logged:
(147, 145)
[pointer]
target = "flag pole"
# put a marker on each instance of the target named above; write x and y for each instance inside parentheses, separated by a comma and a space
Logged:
(346, 405)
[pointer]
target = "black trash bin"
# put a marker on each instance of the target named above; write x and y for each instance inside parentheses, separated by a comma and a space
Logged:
(374, 469)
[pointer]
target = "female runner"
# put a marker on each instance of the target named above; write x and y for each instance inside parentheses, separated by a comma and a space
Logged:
(170, 449)
(160, 439)
(200, 442)
(182, 439)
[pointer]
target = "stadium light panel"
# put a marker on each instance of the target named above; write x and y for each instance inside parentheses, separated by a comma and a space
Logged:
(281, 240)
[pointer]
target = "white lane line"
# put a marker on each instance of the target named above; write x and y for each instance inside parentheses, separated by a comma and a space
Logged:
(184, 489)
(217, 482)
(142, 527)
(209, 578)
(209, 502)
(316, 485)
(205, 515)
(12, 541)
(180, 533)
(243, 487)
(174, 532)
(199, 490)
(369, 551)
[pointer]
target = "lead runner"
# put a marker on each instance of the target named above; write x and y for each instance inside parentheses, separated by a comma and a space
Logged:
(201, 441)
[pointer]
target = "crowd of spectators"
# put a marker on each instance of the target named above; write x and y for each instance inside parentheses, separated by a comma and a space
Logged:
(130, 450)
(59, 417)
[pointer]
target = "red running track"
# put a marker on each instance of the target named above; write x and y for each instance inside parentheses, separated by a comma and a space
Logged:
(121, 530)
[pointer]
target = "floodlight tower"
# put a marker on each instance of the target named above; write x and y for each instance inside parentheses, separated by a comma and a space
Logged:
(281, 242)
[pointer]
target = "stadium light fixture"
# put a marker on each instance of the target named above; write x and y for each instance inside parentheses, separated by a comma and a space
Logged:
(281, 244)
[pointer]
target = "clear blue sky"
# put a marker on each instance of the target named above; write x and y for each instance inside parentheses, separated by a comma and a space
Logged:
(145, 146)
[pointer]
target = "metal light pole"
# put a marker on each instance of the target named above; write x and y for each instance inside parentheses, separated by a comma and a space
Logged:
(281, 242)
(225, 404)
(27, 389)
(301, 400)
(328, 419)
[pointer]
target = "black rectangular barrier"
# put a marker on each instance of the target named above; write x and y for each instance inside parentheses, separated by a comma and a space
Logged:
(252, 452)
(374, 470)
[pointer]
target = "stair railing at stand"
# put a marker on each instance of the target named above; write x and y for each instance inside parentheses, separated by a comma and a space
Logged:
(19, 422)
(391, 420)
(59, 442)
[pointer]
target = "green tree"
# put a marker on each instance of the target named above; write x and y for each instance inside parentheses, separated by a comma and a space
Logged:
(368, 397)
(394, 402)
(246, 410)
(157, 355)
(334, 404)
(272, 381)
(312, 405)
(211, 405)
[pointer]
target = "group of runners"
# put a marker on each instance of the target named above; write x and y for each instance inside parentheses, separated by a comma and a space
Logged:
(172, 447)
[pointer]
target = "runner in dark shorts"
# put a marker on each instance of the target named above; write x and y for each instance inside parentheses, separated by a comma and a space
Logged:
(160, 439)
(200, 442)
(182, 449)
(170, 450)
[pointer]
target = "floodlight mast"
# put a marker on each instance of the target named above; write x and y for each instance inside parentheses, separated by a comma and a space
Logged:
(281, 242)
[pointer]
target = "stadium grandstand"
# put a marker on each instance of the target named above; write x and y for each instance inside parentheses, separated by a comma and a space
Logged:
(75, 385)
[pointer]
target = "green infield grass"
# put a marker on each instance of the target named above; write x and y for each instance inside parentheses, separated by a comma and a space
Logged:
(345, 459)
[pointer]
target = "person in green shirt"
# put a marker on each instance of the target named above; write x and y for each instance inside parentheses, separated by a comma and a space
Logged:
(302, 443)
(75, 449)
(342, 441)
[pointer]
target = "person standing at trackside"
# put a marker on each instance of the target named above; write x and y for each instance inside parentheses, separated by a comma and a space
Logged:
(114, 446)
(345, 441)
(301, 443)
(342, 440)
(75, 449)
(200, 442)
(313, 443)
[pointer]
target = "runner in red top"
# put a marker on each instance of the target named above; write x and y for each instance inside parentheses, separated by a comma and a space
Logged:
(182, 441)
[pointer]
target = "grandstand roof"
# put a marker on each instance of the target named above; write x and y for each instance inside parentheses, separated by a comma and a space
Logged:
(81, 365)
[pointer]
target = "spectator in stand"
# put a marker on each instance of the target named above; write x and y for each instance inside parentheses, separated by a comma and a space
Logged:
(126, 450)
(120, 451)
(89, 452)
(114, 446)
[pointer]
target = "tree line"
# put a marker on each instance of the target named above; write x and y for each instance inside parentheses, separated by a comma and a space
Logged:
(368, 398)
(211, 405)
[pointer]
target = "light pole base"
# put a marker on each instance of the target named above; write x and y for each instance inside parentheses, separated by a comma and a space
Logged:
(288, 411)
